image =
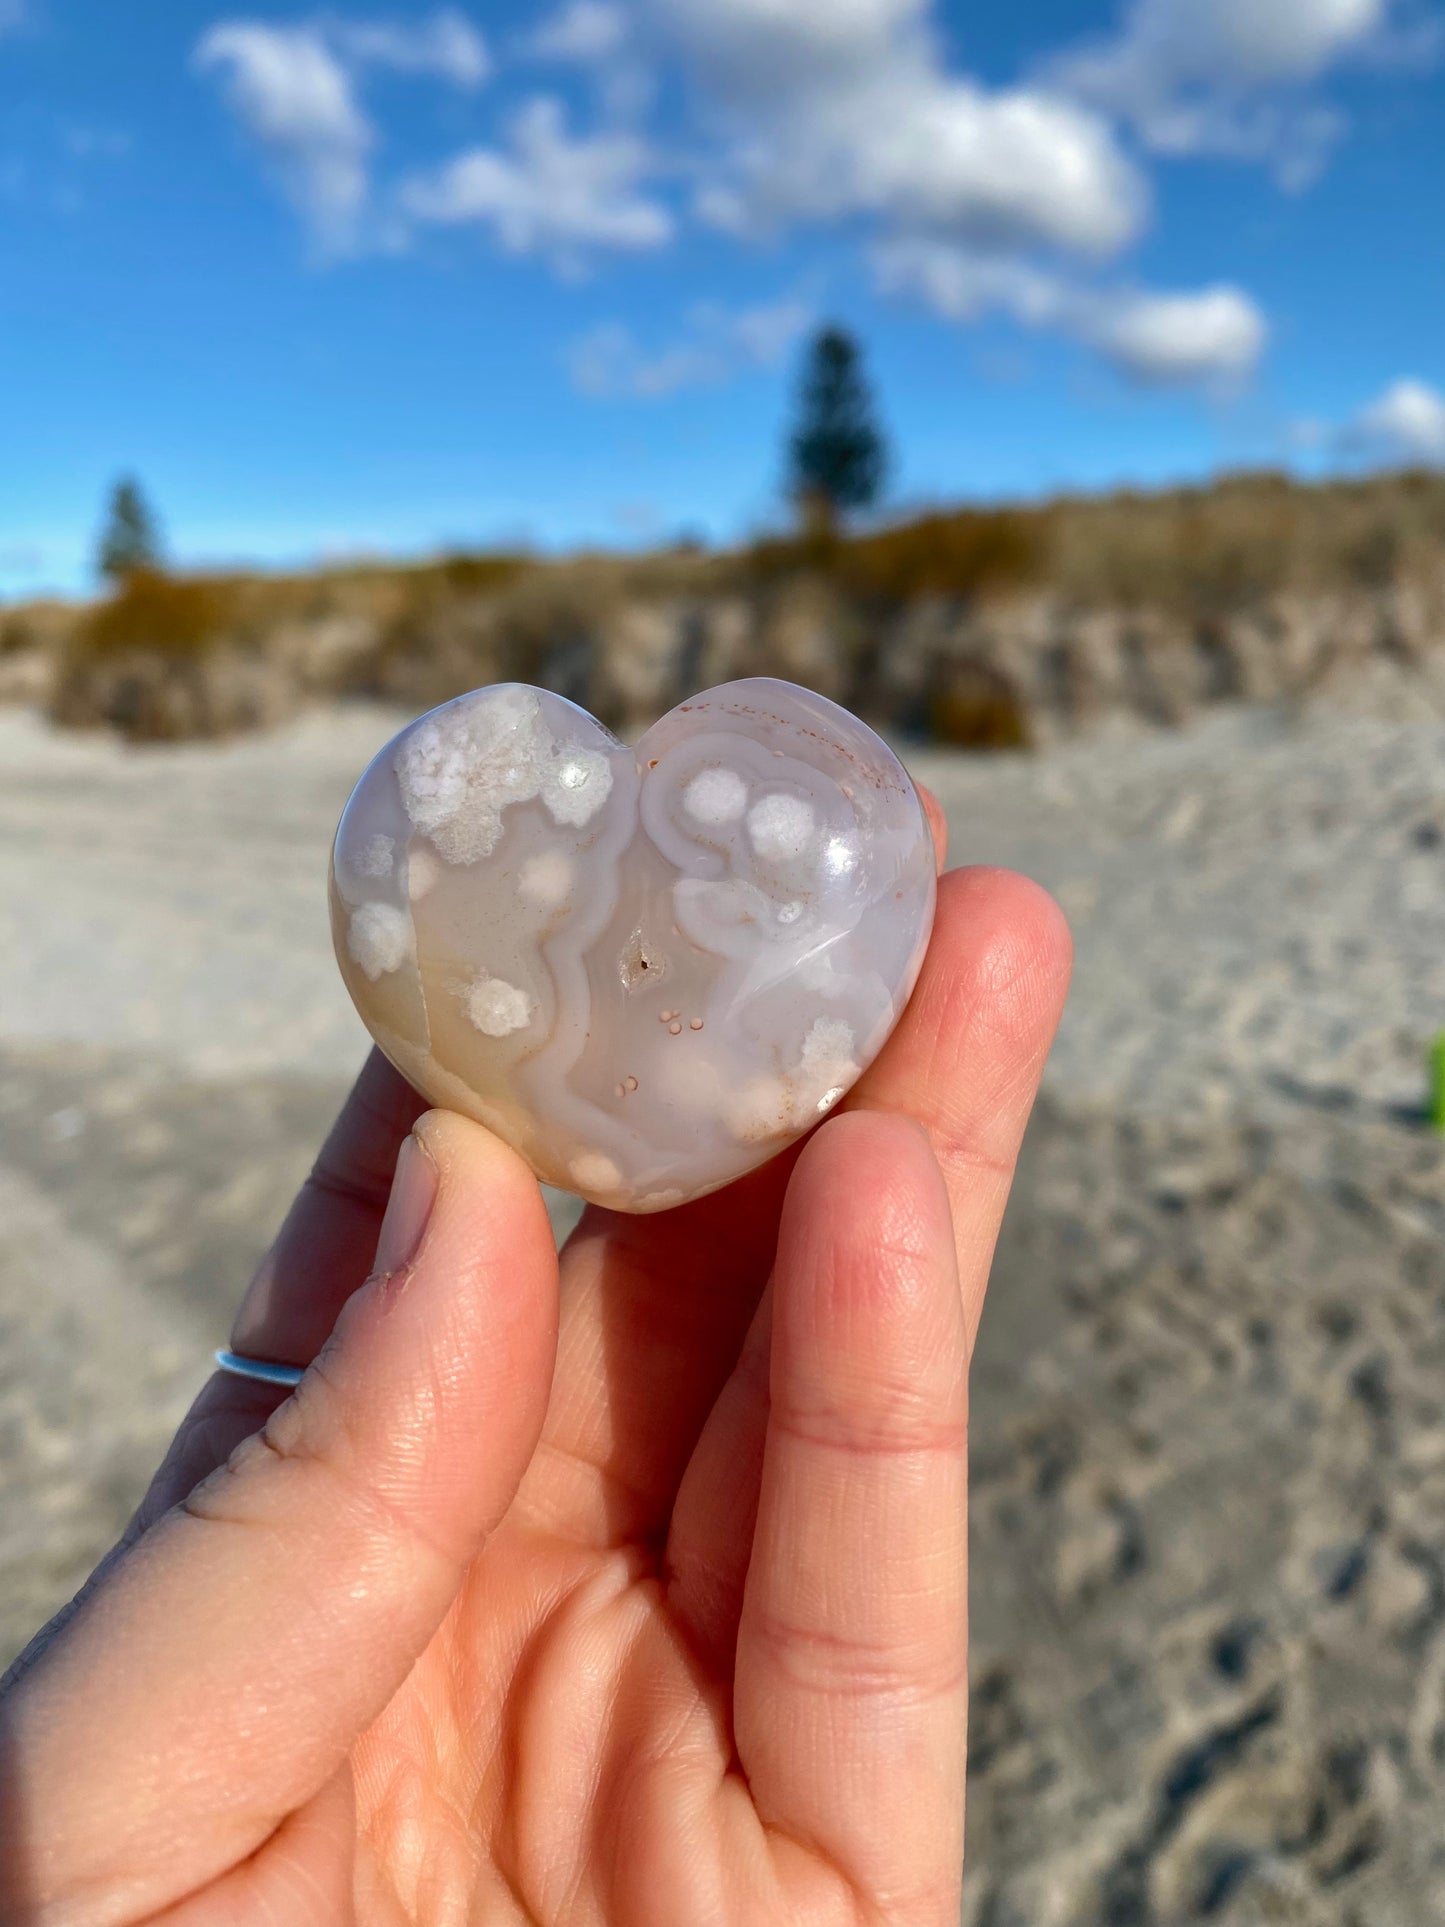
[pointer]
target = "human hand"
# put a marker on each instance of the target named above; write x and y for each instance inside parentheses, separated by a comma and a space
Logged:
(633, 1597)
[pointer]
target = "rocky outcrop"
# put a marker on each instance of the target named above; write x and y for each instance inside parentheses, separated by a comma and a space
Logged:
(148, 697)
(985, 670)
(1072, 669)
(998, 671)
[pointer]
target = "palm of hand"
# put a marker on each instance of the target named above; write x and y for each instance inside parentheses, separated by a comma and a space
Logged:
(565, 1750)
(638, 1600)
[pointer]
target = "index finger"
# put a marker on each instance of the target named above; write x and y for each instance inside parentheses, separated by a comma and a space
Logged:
(966, 1058)
(324, 1250)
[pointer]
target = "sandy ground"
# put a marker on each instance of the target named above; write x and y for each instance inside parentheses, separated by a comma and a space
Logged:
(1209, 1438)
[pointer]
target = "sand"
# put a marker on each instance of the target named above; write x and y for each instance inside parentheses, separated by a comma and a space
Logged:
(1208, 1430)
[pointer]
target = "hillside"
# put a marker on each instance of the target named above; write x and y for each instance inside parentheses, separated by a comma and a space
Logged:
(978, 627)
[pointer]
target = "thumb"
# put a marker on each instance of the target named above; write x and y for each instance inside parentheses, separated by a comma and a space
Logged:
(215, 1683)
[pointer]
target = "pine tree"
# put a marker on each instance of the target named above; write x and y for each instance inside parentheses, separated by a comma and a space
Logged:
(131, 538)
(838, 453)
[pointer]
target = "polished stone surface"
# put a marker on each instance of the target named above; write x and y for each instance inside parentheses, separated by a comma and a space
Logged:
(648, 968)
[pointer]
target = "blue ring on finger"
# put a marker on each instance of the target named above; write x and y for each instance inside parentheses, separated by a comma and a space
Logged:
(260, 1369)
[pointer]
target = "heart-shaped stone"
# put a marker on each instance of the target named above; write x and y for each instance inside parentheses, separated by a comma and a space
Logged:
(647, 968)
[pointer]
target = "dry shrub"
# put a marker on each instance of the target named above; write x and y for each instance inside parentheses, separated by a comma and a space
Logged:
(1209, 551)
(158, 663)
(606, 632)
(977, 707)
(152, 698)
(810, 632)
(456, 629)
(434, 648)
(45, 626)
(969, 554)
(436, 633)
(474, 573)
(33, 640)
(966, 553)
(155, 614)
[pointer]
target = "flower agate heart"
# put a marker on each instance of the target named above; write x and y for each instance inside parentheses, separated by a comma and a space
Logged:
(648, 969)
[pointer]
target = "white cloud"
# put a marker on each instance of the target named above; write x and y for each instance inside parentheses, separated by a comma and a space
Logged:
(601, 38)
(586, 31)
(547, 192)
(447, 45)
(1407, 420)
(1208, 337)
(296, 89)
(1227, 77)
(748, 48)
(609, 361)
(962, 285)
(842, 107)
(920, 150)
(844, 112)
(297, 99)
(1245, 42)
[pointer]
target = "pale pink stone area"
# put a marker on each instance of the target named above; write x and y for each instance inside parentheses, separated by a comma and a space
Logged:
(649, 969)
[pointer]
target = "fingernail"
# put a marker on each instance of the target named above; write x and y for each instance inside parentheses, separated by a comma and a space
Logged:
(413, 1193)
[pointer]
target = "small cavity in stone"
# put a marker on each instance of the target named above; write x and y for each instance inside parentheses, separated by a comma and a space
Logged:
(640, 964)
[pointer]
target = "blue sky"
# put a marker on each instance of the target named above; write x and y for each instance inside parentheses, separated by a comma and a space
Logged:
(358, 278)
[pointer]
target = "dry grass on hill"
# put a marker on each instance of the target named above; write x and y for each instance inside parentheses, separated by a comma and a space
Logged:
(978, 626)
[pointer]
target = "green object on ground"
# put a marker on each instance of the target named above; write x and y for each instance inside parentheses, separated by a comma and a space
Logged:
(1437, 1083)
